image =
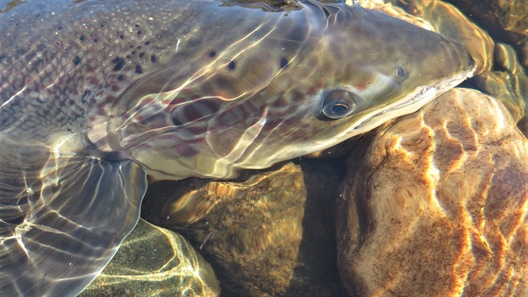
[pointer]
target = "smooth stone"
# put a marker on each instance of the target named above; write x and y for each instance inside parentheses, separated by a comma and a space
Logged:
(524, 53)
(270, 233)
(436, 204)
(505, 18)
(509, 83)
(153, 261)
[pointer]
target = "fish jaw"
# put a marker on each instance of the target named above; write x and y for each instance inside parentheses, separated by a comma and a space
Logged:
(265, 112)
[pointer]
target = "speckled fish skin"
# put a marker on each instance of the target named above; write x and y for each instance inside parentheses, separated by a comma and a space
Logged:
(96, 95)
(75, 65)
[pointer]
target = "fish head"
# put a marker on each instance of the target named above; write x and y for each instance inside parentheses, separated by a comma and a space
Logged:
(309, 80)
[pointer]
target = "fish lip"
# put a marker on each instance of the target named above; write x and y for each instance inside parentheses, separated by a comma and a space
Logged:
(420, 97)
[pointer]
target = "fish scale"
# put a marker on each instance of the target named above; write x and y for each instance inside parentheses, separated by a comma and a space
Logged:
(97, 95)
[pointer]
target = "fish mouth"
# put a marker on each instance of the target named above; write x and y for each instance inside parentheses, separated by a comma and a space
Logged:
(415, 101)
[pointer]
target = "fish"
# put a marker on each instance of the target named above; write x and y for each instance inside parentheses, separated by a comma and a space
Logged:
(97, 98)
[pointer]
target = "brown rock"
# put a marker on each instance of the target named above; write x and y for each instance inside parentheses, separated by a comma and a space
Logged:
(272, 234)
(509, 83)
(506, 18)
(438, 204)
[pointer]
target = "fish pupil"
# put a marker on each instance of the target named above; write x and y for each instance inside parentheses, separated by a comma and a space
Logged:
(339, 108)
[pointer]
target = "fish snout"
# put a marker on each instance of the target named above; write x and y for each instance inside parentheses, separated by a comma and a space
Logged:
(458, 57)
(462, 57)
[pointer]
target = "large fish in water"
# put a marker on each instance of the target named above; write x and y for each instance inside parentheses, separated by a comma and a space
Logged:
(96, 95)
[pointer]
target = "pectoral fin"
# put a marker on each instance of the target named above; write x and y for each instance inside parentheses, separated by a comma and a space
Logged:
(62, 218)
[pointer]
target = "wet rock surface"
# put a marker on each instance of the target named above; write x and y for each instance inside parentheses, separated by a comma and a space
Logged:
(508, 83)
(505, 18)
(153, 261)
(270, 235)
(438, 200)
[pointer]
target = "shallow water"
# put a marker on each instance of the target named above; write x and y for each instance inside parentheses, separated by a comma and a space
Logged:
(273, 232)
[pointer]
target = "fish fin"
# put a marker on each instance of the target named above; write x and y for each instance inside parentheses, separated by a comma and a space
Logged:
(62, 217)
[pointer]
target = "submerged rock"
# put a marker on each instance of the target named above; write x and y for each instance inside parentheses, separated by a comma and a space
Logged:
(272, 234)
(509, 83)
(505, 18)
(438, 201)
(153, 261)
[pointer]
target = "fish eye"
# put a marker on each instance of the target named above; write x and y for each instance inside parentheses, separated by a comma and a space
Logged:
(338, 104)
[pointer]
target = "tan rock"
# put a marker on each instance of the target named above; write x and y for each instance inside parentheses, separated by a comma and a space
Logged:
(153, 261)
(438, 205)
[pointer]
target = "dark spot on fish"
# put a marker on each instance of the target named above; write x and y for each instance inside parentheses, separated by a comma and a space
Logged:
(138, 69)
(2, 57)
(128, 57)
(133, 52)
(59, 28)
(120, 77)
(121, 36)
(82, 38)
(139, 32)
(139, 47)
(141, 55)
(102, 25)
(76, 60)
(119, 63)
(95, 40)
(39, 100)
(402, 72)
(153, 59)
(137, 25)
(199, 109)
(212, 54)
(231, 65)
(85, 96)
(176, 121)
(283, 63)
(147, 42)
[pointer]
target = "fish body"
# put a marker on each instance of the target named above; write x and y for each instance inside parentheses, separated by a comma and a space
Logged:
(96, 95)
